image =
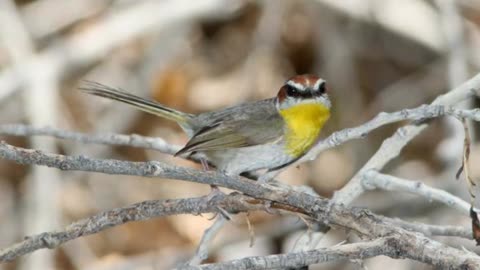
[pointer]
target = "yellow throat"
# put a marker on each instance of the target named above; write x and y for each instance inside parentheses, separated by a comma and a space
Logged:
(303, 123)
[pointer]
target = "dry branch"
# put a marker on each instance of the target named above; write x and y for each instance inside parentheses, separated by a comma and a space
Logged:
(134, 140)
(392, 146)
(201, 253)
(435, 230)
(373, 179)
(136, 212)
(363, 222)
(364, 250)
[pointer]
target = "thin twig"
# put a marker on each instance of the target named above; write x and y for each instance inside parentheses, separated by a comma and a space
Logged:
(373, 179)
(202, 250)
(133, 140)
(435, 230)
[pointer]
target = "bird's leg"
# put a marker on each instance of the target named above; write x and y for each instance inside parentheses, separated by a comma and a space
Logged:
(214, 189)
(204, 164)
(268, 177)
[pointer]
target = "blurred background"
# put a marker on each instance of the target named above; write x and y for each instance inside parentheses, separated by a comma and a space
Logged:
(376, 55)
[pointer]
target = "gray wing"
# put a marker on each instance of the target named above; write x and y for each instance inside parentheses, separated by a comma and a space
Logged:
(245, 125)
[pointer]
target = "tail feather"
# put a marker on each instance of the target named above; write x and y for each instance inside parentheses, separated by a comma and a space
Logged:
(101, 90)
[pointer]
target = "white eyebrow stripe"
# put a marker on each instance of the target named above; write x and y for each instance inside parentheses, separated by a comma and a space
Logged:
(298, 86)
(317, 84)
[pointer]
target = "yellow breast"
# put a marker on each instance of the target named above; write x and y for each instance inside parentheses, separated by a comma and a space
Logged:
(303, 123)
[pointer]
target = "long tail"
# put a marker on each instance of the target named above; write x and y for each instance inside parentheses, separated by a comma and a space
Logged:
(149, 106)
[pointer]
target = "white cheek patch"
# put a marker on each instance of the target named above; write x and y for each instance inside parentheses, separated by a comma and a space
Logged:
(324, 100)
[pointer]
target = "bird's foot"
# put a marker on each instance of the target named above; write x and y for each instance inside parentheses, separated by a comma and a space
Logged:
(214, 191)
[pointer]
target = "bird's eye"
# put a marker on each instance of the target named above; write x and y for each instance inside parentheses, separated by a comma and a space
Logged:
(292, 91)
(322, 88)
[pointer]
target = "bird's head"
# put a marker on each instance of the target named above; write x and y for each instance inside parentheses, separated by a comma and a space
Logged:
(303, 89)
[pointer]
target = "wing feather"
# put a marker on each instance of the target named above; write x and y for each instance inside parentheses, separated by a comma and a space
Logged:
(233, 130)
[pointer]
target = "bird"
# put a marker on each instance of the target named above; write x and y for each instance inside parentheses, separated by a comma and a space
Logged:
(268, 134)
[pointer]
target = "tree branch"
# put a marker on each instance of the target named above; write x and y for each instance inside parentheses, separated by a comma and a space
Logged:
(363, 222)
(201, 253)
(373, 179)
(435, 230)
(388, 246)
(133, 140)
(364, 250)
(135, 212)
(391, 147)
